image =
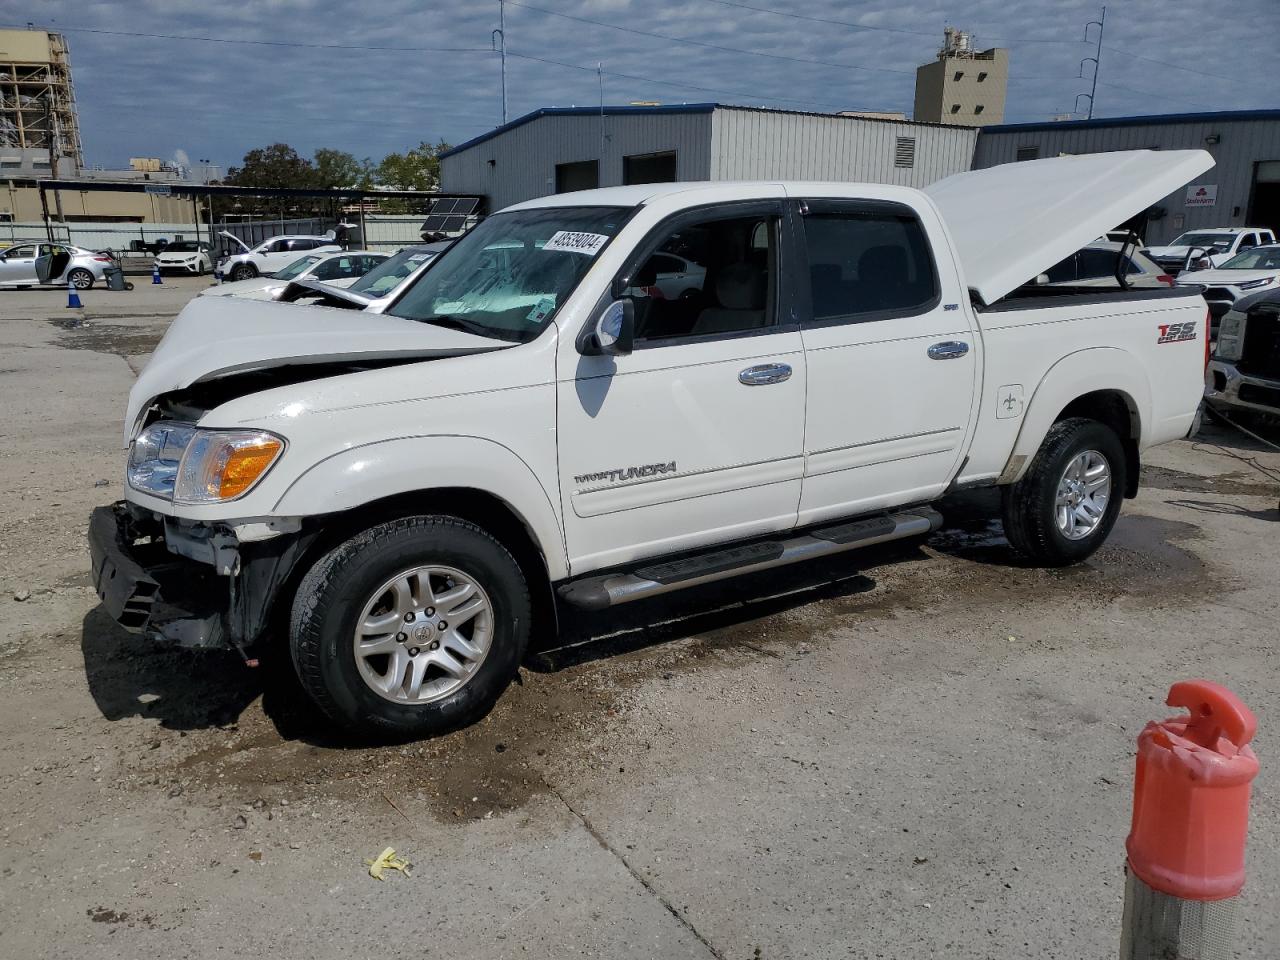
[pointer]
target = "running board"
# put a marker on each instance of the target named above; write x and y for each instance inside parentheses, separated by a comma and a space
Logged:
(598, 593)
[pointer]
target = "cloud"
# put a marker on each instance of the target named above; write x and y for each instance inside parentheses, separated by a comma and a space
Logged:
(139, 95)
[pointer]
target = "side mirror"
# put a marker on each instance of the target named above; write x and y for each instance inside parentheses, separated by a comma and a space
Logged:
(1195, 255)
(51, 266)
(612, 333)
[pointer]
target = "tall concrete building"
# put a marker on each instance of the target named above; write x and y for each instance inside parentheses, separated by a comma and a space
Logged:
(37, 105)
(963, 86)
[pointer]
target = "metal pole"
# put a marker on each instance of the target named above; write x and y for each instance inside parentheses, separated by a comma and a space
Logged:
(44, 205)
(600, 163)
(53, 154)
(1097, 59)
(499, 41)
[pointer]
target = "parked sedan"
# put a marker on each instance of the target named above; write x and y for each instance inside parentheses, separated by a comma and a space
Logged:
(1245, 273)
(185, 256)
(18, 265)
(1095, 266)
(376, 290)
(335, 269)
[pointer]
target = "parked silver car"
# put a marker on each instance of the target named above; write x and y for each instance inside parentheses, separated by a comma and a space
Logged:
(18, 265)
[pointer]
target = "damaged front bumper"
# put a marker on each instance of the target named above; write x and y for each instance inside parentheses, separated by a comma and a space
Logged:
(196, 588)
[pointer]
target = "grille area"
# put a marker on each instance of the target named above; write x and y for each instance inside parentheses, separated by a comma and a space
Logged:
(1261, 353)
(1266, 396)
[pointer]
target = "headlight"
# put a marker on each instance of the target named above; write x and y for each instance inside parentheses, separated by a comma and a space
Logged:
(1230, 336)
(1254, 284)
(189, 465)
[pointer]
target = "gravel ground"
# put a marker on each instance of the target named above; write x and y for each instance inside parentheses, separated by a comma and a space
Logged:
(925, 751)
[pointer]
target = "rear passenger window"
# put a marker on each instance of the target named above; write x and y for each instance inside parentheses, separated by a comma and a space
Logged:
(868, 266)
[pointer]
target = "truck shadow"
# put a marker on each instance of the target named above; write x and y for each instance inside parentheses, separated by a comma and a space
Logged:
(129, 676)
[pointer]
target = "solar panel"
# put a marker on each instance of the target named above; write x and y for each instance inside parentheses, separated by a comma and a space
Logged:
(443, 206)
(435, 224)
(449, 215)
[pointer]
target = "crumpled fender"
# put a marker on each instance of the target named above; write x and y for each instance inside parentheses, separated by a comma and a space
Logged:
(352, 477)
(1076, 374)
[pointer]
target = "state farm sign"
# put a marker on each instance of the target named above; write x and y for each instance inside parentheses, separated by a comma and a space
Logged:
(1202, 195)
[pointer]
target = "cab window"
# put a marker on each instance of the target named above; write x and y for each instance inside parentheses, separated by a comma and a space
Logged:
(869, 264)
(713, 277)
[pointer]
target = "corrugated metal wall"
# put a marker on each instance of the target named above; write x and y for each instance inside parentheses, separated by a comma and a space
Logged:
(525, 157)
(766, 144)
(1242, 143)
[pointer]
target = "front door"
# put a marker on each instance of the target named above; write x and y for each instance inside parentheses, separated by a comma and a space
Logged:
(19, 265)
(696, 436)
(893, 362)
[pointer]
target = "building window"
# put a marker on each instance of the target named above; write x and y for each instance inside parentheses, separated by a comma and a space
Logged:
(582, 175)
(955, 108)
(978, 108)
(904, 152)
(1027, 153)
(982, 76)
(959, 74)
(649, 168)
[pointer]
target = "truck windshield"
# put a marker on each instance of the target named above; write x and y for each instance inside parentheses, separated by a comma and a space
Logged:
(1222, 240)
(1259, 258)
(508, 276)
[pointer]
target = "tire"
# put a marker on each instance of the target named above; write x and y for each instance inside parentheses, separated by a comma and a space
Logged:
(337, 594)
(1030, 506)
(80, 278)
(244, 271)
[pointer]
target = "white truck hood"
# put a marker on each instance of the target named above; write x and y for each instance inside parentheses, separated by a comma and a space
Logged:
(1012, 222)
(216, 336)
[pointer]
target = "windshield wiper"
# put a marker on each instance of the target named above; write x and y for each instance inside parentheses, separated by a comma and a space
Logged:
(457, 323)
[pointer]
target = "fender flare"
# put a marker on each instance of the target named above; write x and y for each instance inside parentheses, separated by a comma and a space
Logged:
(363, 474)
(1086, 371)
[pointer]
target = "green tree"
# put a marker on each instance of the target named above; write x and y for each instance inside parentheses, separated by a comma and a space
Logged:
(278, 165)
(416, 169)
(337, 168)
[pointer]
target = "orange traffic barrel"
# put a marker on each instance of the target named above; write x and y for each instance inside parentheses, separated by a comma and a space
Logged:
(1191, 795)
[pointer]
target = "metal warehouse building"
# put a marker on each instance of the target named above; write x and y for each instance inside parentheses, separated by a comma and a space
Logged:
(1243, 189)
(558, 149)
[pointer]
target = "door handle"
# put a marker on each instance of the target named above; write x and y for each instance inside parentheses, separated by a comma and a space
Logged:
(948, 350)
(764, 373)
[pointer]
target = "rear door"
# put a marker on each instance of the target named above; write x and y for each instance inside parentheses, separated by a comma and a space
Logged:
(695, 437)
(893, 362)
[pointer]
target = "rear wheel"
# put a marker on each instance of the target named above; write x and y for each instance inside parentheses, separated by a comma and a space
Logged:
(411, 628)
(244, 271)
(80, 278)
(1065, 505)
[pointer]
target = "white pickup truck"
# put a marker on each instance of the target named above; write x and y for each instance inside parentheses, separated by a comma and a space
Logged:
(402, 499)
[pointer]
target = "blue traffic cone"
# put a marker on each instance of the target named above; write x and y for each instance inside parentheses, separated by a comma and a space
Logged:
(155, 274)
(73, 297)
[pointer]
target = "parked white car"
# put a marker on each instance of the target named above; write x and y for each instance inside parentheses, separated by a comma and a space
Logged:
(18, 265)
(1095, 266)
(377, 289)
(339, 269)
(270, 255)
(515, 431)
(185, 256)
(1212, 247)
(1244, 274)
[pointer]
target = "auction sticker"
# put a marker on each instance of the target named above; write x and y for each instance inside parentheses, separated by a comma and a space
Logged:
(571, 242)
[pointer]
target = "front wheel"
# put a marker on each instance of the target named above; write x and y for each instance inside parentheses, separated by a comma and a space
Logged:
(1065, 505)
(243, 271)
(411, 628)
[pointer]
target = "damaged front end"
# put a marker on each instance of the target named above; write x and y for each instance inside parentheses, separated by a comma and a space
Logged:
(197, 585)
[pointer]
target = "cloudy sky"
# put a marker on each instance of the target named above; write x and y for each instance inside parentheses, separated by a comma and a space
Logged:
(154, 77)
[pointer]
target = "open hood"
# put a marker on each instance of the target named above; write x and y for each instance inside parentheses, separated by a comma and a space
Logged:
(232, 236)
(1017, 220)
(219, 336)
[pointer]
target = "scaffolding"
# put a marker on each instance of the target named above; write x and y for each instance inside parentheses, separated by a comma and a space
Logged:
(37, 99)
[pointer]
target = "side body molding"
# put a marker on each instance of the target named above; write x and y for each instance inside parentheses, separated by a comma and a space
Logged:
(1076, 374)
(360, 475)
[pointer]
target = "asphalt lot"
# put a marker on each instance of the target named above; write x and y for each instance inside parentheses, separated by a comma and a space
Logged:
(922, 752)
